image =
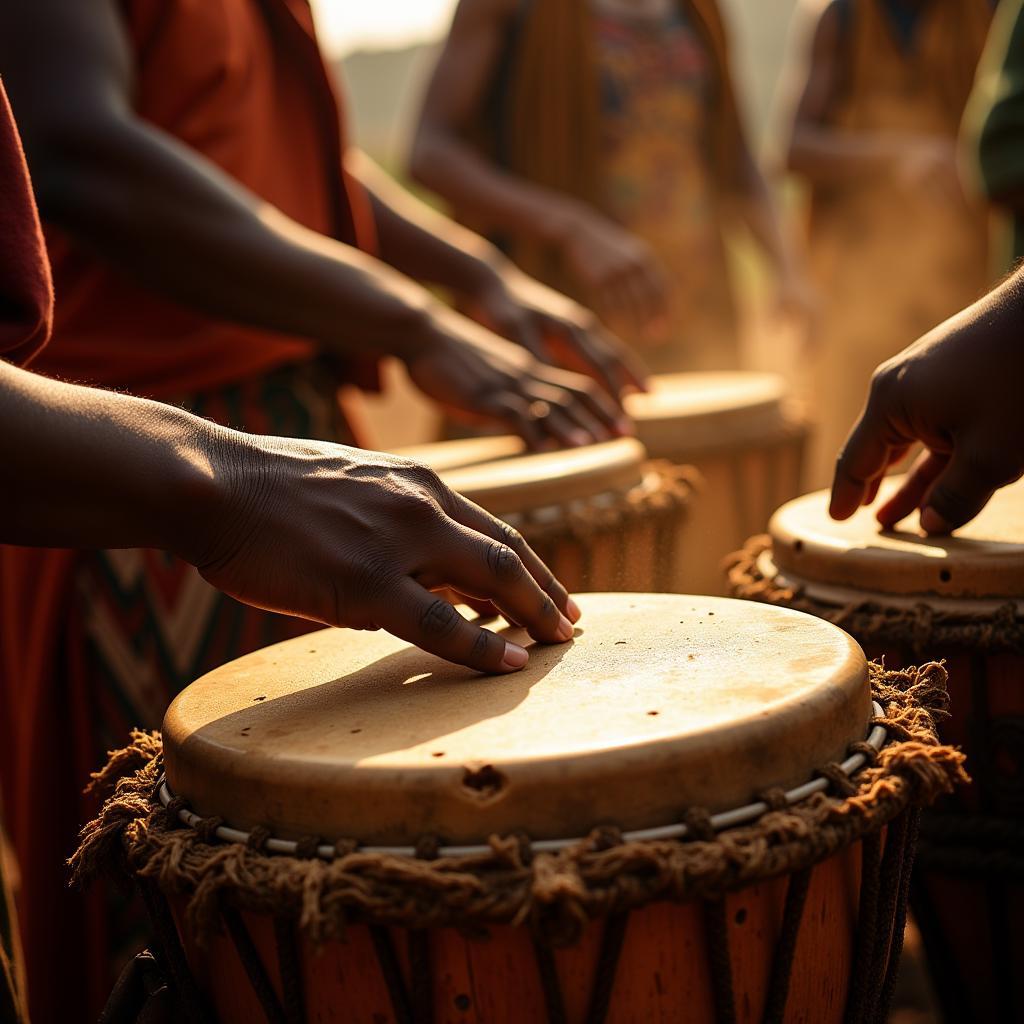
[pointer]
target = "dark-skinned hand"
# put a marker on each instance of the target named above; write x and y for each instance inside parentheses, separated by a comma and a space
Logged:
(478, 376)
(360, 539)
(629, 285)
(959, 391)
(558, 330)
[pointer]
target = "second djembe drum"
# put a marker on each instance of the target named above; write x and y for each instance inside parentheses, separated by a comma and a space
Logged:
(601, 516)
(906, 596)
(697, 810)
(745, 437)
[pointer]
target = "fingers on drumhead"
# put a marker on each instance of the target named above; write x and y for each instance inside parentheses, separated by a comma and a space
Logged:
(435, 625)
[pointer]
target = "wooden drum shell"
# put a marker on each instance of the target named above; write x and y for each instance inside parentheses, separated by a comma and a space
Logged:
(745, 439)
(496, 978)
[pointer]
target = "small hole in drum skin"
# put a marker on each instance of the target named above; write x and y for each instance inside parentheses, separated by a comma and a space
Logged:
(741, 915)
(462, 1002)
(945, 575)
(437, 753)
(798, 546)
(485, 781)
(652, 713)
(354, 731)
(264, 697)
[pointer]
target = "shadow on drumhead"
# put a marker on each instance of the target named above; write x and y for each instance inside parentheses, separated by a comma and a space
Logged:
(397, 702)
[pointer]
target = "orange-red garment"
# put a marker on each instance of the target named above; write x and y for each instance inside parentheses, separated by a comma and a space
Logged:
(243, 83)
(26, 315)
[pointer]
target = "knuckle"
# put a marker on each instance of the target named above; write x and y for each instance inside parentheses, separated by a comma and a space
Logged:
(481, 644)
(504, 563)
(510, 535)
(439, 619)
(990, 468)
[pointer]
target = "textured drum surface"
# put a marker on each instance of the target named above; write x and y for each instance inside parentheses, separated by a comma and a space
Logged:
(661, 702)
(984, 559)
(686, 414)
(497, 473)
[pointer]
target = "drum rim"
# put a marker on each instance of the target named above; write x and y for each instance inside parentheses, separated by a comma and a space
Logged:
(843, 597)
(748, 813)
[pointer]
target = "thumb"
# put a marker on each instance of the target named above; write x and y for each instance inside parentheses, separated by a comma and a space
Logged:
(963, 489)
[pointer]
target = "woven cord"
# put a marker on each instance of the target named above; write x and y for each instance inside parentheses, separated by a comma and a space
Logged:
(254, 969)
(785, 947)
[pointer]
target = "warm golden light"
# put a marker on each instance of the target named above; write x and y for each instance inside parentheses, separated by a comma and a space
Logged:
(346, 26)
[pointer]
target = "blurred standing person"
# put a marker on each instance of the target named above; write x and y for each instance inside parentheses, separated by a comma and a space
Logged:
(215, 243)
(599, 143)
(895, 244)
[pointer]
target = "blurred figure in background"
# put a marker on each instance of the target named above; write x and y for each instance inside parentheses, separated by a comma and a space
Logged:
(994, 127)
(895, 244)
(216, 243)
(599, 143)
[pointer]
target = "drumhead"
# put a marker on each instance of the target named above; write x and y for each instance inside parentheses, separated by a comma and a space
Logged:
(687, 414)
(984, 559)
(660, 703)
(497, 473)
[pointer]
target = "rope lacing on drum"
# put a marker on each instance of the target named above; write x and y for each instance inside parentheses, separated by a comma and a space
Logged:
(862, 753)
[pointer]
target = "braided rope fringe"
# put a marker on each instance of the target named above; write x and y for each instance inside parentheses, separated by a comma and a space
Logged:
(920, 628)
(555, 893)
(665, 494)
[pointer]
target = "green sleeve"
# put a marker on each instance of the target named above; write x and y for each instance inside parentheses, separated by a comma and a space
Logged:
(994, 119)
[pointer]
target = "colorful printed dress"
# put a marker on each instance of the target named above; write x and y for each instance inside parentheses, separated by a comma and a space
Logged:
(657, 80)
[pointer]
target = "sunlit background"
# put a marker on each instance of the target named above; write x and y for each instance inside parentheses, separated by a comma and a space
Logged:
(386, 47)
(346, 26)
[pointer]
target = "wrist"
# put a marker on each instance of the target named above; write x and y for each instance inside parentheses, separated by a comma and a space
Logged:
(200, 488)
(562, 221)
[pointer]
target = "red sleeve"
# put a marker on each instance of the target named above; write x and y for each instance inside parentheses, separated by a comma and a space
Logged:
(26, 291)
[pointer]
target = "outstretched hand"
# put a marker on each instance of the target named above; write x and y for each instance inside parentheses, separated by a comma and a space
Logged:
(959, 391)
(360, 539)
(558, 330)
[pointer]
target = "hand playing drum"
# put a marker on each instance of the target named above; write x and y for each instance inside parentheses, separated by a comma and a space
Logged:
(958, 391)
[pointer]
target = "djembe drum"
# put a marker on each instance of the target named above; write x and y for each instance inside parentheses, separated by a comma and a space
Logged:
(746, 439)
(906, 596)
(602, 516)
(698, 810)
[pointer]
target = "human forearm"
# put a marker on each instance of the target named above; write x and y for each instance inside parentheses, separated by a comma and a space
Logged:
(421, 242)
(498, 201)
(81, 467)
(172, 219)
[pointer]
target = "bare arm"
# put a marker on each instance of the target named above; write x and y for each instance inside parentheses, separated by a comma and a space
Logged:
(444, 163)
(613, 267)
(168, 216)
(322, 531)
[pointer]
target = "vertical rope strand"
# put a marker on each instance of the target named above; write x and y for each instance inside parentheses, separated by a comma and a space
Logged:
(607, 964)
(257, 973)
(785, 947)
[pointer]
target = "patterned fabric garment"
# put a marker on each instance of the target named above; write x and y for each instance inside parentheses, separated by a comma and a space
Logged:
(657, 86)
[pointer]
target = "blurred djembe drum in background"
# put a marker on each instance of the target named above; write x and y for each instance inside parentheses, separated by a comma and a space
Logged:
(603, 517)
(906, 597)
(698, 810)
(746, 438)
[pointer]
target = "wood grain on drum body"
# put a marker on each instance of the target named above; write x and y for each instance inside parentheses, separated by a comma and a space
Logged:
(661, 702)
(743, 435)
